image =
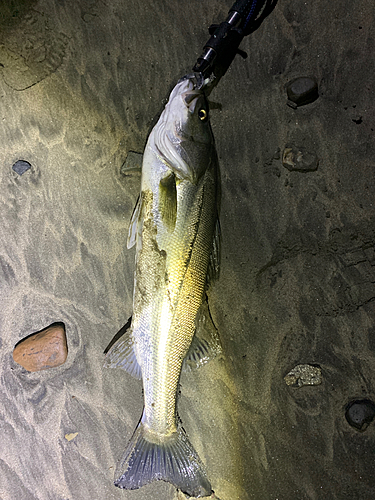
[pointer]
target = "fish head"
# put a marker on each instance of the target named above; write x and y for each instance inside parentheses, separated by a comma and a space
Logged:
(183, 133)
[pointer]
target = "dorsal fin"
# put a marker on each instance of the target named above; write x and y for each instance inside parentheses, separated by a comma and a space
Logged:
(214, 262)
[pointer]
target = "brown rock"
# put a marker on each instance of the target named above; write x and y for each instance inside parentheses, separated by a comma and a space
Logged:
(45, 349)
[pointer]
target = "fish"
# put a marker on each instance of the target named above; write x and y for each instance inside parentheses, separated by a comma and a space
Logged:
(175, 230)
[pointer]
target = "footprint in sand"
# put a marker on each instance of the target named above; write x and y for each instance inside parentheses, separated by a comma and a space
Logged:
(30, 50)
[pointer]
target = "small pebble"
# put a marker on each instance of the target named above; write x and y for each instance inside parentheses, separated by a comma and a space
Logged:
(304, 375)
(42, 350)
(360, 413)
(301, 91)
(21, 166)
(71, 436)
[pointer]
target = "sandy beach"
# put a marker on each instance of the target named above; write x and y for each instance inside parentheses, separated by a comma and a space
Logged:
(81, 85)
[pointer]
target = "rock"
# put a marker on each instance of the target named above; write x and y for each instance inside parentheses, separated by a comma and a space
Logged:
(181, 496)
(299, 160)
(21, 166)
(132, 164)
(301, 91)
(360, 413)
(45, 349)
(304, 375)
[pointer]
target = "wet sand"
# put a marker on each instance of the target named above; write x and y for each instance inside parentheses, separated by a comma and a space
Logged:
(80, 86)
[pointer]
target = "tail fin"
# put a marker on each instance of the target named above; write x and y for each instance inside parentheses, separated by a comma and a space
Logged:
(173, 460)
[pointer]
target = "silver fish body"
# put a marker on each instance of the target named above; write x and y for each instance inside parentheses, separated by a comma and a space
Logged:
(173, 227)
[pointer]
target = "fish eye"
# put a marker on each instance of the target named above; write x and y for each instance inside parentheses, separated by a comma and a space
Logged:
(202, 114)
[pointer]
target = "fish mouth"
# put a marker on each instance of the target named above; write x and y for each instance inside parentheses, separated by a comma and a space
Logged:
(189, 96)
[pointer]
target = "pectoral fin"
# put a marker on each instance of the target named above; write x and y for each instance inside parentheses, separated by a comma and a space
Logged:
(135, 223)
(168, 201)
(206, 343)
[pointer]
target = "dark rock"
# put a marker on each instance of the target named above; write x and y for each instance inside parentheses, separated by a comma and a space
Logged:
(360, 413)
(45, 349)
(301, 91)
(132, 164)
(21, 166)
(299, 160)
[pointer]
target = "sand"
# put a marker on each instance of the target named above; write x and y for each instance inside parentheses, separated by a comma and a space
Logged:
(80, 86)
